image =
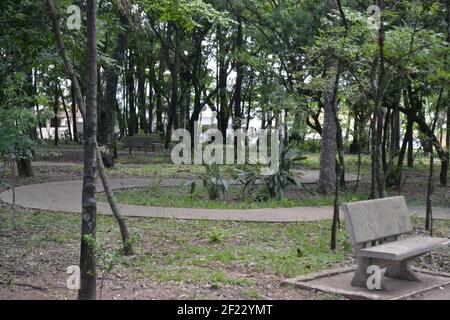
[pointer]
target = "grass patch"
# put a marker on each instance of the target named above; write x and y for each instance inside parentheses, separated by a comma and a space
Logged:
(182, 251)
(180, 197)
(177, 250)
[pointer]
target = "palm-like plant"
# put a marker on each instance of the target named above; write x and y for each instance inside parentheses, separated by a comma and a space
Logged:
(276, 184)
(213, 182)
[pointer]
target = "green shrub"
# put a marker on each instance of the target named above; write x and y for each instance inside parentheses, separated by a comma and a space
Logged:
(274, 185)
(310, 146)
(215, 235)
(213, 182)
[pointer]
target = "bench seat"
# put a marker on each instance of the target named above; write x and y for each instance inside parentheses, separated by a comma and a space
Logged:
(404, 249)
(145, 142)
(374, 228)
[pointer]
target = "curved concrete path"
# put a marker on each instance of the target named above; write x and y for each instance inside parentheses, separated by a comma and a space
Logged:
(65, 196)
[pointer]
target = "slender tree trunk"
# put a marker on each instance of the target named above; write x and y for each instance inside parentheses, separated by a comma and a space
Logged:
(173, 68)
(55, 111)
(373, 178)
(89, 220)
(126, 238)
(445, 164)
(130, 94)
(223, 113)
(65, 111)
(74, 113)
(379, 113)
(430, 190)
(159, 98)
(395, 130)
(410, 153)
(239, 77)
(110, 108)
(327, 175)
(336, 206)
(142, 108)
(386, 131)
(150, 102)
(38, 112)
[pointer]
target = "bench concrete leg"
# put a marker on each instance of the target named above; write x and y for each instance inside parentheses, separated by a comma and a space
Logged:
(129, 151)
(401, 270)
(361, 276)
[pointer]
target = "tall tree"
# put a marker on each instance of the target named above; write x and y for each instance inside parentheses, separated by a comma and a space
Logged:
(88, 283)
(108, 110)
(327, 175)
(126, 236)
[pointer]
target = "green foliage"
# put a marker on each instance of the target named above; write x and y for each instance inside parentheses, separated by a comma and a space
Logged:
(213, 182)
(187, 14)
(310, 146)
(15, 127)
(215, 235)
(274, 185)
(16, 122)
(3, 182)
(107, 259)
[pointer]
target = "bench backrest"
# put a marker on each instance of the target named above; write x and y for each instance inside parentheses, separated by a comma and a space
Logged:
(153, 138)
(141, 141)
(133, 142)
(377, 219)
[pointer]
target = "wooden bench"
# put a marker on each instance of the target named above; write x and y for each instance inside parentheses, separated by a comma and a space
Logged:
(375, 227)
(143, 142)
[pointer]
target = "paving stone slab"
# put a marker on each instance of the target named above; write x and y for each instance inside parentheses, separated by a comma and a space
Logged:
(337, 281)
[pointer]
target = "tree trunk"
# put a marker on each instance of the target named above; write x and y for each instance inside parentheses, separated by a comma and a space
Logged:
(386, 131)
(36, 105)
(379, 113)
(24, 168)
(108, 110)
(126, 238)
(130, 95)
(150, 102)
(327, 175)
(159, 100)
(55, 111)
(88, 284)
(430, 189)
(223, 113)
(142, 108)
(239, 75)
(65, 111)
(173, 68)
(445, 164)
(373, 177)
(74, 113)
(336, 221)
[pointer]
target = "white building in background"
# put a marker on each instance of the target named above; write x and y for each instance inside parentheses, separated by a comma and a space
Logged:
(208, 118)
(48, 128)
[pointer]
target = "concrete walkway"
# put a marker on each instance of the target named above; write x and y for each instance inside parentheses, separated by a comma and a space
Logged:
(65, 196)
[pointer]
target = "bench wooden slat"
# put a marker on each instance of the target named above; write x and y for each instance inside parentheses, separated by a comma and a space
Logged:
(377, 219)
(139, 141)
(404, 249)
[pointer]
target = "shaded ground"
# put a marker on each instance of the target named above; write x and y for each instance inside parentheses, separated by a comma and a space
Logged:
(179, 259)
(186, 259)
(176, 259)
